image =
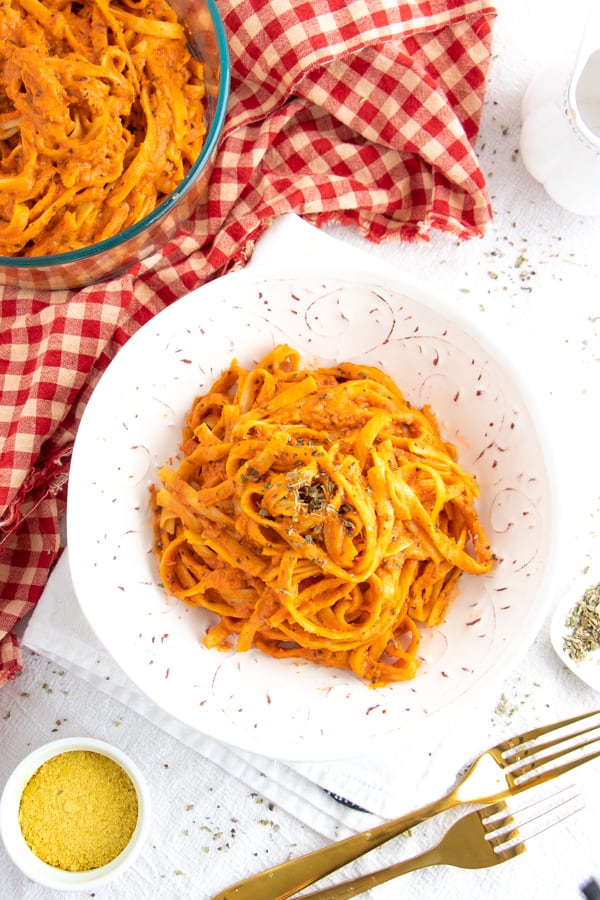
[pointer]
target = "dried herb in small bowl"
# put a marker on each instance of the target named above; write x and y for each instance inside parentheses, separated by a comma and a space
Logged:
(584, 622)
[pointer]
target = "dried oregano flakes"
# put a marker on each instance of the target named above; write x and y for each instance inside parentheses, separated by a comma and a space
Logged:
(583, 620)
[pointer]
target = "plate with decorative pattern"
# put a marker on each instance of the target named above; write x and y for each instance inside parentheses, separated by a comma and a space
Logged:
(132, 425)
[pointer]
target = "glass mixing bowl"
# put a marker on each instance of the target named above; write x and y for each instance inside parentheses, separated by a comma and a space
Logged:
(114, 255)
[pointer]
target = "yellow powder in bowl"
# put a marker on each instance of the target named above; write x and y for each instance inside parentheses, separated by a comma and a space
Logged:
(78, 811)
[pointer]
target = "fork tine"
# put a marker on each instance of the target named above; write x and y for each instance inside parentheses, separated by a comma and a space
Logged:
(523, 756)
(499, 841)
(536, 754)
(492, 810)
(527, 736)
(496, 817)
(522, 751)
(503, 830)
(532, 769)
(495, 825)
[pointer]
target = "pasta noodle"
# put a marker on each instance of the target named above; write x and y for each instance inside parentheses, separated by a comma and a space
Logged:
(101, 116)
(318, 515)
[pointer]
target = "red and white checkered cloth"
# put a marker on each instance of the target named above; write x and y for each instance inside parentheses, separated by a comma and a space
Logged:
(356, 111)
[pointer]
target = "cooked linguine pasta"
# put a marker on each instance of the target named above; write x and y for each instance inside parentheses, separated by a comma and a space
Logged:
(101, 116)
(318, 515)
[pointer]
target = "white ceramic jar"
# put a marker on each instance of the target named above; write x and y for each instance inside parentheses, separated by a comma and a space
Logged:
(560, 136)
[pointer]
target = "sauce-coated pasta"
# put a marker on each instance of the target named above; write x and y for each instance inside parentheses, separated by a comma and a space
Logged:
(318, 515)
(101, 117)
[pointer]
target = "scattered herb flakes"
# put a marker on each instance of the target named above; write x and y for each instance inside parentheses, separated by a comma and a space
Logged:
(584, 622)
(505, 707)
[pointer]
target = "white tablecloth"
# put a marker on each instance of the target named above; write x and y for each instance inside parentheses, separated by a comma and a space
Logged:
(533, 284)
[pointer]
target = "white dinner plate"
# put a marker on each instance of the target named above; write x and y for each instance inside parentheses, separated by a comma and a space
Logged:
(132, 425)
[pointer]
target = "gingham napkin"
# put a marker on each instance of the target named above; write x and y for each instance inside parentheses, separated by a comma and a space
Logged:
(359, 111)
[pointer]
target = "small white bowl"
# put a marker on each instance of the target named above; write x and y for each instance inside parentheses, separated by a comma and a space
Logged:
(30, 864)
(588, 668)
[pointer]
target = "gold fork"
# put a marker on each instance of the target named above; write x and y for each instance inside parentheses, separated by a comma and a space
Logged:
(484, 838)
(502, 771)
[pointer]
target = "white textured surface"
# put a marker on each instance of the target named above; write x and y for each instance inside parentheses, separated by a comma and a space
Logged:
(533, 283)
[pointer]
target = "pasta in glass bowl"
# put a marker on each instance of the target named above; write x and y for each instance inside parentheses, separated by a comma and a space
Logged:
(110, 115)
